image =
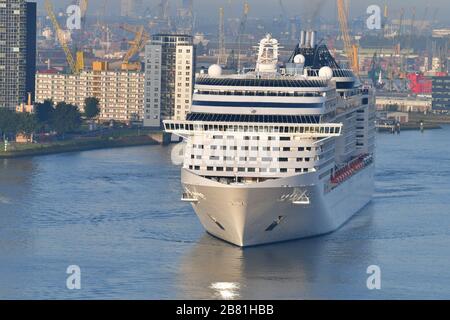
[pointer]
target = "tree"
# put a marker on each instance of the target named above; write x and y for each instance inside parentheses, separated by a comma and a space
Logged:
(44, 111)
(66, 118)
(27, 123)
(8, 122)
(92, 107)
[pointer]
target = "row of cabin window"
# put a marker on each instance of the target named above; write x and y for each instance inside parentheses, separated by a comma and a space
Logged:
(262, 93)
(256, 138)
(253, 148)
(251, 159)
(249, 170)
(236, 128)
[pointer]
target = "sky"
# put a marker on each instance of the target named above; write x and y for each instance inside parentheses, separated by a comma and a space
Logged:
(270, 8)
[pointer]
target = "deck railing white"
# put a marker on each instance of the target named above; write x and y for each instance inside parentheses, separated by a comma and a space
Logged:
(305, 130)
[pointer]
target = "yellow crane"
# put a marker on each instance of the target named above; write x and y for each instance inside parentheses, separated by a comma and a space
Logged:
(76, 66)
(351, 49)
(136, 45)
(83, 4)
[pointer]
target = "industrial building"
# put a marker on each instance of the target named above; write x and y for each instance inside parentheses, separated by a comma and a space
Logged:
(17, 51)
(441, 93)
(404, 103)
(169, 78)
(121, 93)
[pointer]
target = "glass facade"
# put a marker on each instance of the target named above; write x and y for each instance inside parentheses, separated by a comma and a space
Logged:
(441, 93)
(12, 52)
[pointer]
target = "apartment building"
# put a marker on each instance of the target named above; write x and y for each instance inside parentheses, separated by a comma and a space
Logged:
(169, 78)
(17, 51)
(121, 93)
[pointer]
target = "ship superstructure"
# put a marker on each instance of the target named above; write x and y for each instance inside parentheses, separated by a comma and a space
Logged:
(279, 152)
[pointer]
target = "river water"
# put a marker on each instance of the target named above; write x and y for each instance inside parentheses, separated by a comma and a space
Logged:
(116, 214)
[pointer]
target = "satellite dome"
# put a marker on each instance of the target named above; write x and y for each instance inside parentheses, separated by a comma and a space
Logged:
(299, 59)
(326, 72)
(215, 70)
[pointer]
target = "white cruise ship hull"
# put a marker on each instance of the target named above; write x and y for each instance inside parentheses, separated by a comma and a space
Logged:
(267, 212)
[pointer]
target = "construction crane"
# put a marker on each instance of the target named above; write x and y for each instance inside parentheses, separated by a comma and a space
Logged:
(350, 48)
(76, 66)
(395, 66)
(241, 31)
(136, 45)
(222, 59)
(284, 16)
(164, 13)
(83, 4)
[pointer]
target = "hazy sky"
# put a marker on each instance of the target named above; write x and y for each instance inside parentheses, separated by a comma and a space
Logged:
(270, 8)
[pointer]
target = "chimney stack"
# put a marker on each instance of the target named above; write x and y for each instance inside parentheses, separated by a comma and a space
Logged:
(302, 39)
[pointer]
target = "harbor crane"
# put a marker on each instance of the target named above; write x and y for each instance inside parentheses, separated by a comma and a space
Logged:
(136, 45)
(76, 66)
(241, 31)
(350, 48)
(222, 59)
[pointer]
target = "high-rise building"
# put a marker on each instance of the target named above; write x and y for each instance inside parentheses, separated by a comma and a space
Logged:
(126, 8)
(131, 8)
(31, 50)
(169, 77)
(17, 51)
(441, 93)
(185, 17)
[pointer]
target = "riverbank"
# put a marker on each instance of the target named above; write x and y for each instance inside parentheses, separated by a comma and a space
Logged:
(411, 126)
(429, 118)
(38, 149)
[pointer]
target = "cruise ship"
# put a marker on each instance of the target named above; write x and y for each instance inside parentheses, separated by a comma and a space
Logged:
(281, 151)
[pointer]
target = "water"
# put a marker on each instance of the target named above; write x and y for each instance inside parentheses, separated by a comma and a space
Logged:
(117, 215)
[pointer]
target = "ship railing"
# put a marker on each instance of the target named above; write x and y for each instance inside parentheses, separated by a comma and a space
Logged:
(186, 128)
(349, 169)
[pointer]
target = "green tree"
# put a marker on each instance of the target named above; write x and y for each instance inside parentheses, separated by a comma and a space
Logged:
(65, 118)
(44, 111)
(92, 107)
(27, 123)
(8, 122)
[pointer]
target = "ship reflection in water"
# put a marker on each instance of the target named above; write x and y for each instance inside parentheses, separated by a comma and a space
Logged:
(302, 269)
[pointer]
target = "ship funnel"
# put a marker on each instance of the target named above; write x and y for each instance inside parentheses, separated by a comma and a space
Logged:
(313, 39)
(302, 39)
(308, 39)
